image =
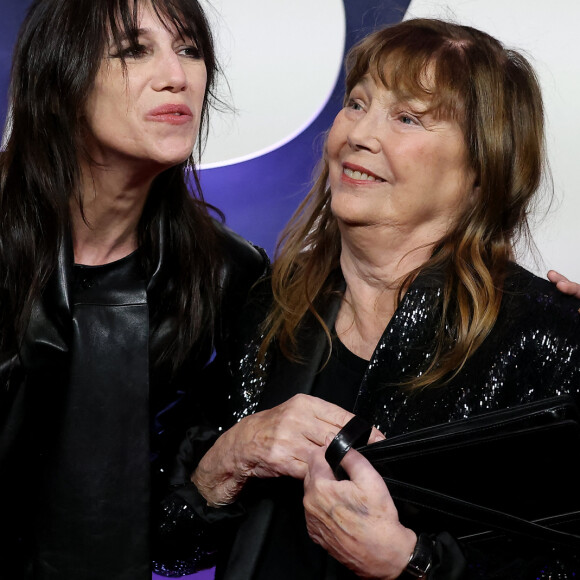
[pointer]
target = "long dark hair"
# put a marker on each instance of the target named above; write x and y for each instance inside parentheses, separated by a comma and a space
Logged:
(56, 59)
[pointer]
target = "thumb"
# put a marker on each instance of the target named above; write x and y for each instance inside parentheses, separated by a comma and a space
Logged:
(359, 470)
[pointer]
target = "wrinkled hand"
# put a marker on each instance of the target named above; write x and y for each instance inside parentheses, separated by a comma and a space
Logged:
(270, 443)
(356, 521)
(563, 284)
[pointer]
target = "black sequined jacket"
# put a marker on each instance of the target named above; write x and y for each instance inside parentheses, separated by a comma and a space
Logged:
(36, 381)
(533, 352)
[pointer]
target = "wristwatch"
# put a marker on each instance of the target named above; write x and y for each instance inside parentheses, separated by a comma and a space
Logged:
(421, 559)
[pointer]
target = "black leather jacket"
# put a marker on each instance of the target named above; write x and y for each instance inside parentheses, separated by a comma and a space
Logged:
(34, 381)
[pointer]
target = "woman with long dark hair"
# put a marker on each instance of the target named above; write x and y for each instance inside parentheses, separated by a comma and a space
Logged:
(116, 283)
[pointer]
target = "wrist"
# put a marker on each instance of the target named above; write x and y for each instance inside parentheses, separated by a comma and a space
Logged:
(420, 560)
(216, 477)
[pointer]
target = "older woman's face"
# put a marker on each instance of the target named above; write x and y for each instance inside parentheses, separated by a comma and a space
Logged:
(149, 115)
(393, 166)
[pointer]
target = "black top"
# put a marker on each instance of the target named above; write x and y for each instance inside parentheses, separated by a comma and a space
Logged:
(287, 540)
(95, 492)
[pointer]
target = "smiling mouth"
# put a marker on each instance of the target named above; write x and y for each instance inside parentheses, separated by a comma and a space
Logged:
(360, 175)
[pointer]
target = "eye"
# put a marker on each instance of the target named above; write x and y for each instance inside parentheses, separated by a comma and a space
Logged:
(354, 105)
(407, 119)
(133, 51)
(190, 51)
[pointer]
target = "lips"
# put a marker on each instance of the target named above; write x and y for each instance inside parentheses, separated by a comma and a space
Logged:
(358, 173)
(172, 114)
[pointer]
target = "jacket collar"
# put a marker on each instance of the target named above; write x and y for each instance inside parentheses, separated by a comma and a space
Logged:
(50, 327)
(289, 378)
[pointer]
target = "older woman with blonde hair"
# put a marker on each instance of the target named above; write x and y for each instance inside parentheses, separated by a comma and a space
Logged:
(395, 296)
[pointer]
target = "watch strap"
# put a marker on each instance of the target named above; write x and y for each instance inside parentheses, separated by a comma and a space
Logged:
(421, 559)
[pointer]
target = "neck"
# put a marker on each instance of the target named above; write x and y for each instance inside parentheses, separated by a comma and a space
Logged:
(112, 206)
(373, 264)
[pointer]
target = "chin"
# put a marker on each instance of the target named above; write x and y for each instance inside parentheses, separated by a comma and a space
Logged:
(173, 151)
(170, 160)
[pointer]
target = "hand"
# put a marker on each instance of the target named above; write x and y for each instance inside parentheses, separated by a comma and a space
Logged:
(563, 284)
(269, 444)
(356, 521)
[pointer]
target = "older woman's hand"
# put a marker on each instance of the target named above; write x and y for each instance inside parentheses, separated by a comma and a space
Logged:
(563, 284)
(356, 521)
(270, 443)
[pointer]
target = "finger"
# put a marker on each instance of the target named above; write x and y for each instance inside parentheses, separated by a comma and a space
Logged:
(563, 284)
(376, 436)
(360, 471)
(316, 417)
(567, 287)
(319, 436)
(317, 464)
(556, 277)
(330, 413)
(330, 420)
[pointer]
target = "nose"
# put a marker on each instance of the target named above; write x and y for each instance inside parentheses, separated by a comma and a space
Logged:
(169, 73)
(363, 133)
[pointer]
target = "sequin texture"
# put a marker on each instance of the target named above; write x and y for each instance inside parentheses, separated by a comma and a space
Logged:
(533, 352)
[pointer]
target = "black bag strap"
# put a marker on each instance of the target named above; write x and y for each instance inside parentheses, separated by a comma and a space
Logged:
(490, 518)
(354, 433)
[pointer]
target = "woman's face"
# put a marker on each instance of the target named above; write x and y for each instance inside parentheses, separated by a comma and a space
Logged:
(393, 165)
(149, 115)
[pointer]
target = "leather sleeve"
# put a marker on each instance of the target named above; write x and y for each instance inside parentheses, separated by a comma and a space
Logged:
(188, 532)
(11, 377)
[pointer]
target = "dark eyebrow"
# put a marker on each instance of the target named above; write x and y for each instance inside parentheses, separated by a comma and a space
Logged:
(123, 38)
(132, 34)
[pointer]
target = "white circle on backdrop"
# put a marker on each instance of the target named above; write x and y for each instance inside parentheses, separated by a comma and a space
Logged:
(281, 60)
(545, 32)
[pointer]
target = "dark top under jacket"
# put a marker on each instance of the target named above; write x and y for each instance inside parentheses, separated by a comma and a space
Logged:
(86, 425)
(532, 353)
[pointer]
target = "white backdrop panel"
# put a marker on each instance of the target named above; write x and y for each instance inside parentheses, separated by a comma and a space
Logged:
(547, 32)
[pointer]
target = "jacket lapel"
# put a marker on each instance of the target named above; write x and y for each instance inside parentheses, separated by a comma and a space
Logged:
(287, 379)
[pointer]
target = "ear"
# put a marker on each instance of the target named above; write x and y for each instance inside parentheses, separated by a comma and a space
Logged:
(475, 190)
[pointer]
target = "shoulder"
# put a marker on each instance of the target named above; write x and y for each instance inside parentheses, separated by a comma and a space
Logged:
(240, 254)
(534, 346)
(242, 266)
(540, 299)
(540, 325)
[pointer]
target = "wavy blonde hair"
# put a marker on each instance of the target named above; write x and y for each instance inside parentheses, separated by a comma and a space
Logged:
(493, 93)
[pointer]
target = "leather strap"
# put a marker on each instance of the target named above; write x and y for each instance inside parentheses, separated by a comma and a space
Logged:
(353, 433)
(356, 432)
(488, 517)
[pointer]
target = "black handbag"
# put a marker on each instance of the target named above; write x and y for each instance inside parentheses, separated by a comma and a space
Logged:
(510, 472)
